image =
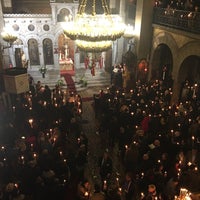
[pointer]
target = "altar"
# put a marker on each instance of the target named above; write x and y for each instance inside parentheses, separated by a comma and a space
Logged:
(66, 64)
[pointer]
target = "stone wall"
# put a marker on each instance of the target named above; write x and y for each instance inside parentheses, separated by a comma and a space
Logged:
(181, 44)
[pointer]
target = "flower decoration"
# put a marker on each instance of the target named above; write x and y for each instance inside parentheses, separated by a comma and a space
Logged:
(43, 71)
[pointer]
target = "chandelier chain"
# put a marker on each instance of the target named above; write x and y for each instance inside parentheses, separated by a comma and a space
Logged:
(94, 7)
(82, 6)
(105, 7)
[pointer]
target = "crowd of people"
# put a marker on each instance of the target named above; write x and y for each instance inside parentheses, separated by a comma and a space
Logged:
(186, 5)
(44, 150)
(158, 142)
(42, 145)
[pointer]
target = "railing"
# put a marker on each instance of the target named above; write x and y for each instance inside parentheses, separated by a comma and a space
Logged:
(178, 19)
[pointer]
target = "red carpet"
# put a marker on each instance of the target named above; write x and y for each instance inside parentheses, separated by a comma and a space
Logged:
(85, 99)
(70, 82)
(71, 72)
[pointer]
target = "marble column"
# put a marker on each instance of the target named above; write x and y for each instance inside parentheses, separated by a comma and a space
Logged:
(143, 27)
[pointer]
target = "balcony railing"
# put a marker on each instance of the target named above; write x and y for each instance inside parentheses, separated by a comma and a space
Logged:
(178, 19)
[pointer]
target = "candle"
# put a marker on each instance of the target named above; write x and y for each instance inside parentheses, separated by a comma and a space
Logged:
(86, 194)
(31, 122)
(34, 155)
(104, 184)
(13, 108)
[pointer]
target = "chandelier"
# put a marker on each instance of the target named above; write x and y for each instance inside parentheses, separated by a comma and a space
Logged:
(94, 32)
(95, 47)
(129, 32)
(9, 37)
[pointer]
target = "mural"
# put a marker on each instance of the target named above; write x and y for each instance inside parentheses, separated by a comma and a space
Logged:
(33, 52)
(48, 51)
(62, 14)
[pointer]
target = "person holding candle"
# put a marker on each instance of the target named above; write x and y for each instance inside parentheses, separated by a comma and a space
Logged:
(151, 193)
(171, 189)
(105, 166)
(84, 190)
(129, 188)
(98, 194)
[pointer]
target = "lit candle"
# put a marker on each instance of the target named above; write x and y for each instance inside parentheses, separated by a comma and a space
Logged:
(31, 122)
(142, 195)
(104, 184)
(13, 108)
(23, 138)
(86, 194)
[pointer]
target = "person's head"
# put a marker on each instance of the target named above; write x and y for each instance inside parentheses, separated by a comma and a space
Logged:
(106, 154)
(129, 176)
(86, 184)
(152, 189)
(145, 156)
(175, 180)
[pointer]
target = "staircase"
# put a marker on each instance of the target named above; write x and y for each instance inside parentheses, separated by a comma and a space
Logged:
(101, 78)
(52, 76)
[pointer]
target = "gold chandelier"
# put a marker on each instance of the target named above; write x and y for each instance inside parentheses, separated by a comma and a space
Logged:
(95, 47)
(8, 36)
(94, 32)
(129, 32)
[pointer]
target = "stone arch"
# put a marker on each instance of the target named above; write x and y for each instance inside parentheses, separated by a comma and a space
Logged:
(32, 36)
(187, 50)
(57, 34)
(188, 66)
(62, 13)
(166, 39)
(162, 62)
(50, 36)
(191, 48)
(188, 76)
